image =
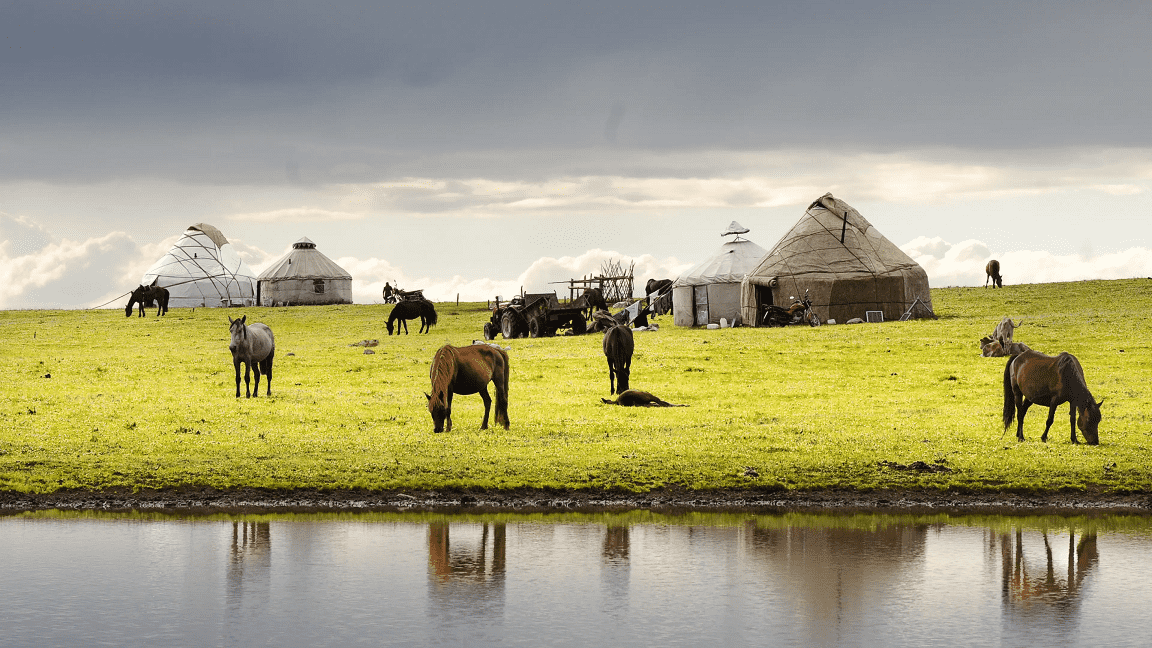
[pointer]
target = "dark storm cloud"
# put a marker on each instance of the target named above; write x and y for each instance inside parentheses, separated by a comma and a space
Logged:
(266, 92)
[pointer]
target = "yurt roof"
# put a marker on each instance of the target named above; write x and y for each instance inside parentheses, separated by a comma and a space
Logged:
(729, 264)
(216, 235)
(304, 261)
(202, 267)
(814, 245)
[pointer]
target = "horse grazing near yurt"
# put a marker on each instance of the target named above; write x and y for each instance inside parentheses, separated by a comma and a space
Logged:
(637, 398)
(662, 289)
(407, 310)
(253, 345)
(993, 272)
(1050, 381)
(618, 346)
(148, 296)
(468, 370)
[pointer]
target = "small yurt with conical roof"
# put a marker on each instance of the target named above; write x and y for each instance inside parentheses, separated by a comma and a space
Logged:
(203, 269)
(844, 263)
(711, 290)
(304, 276)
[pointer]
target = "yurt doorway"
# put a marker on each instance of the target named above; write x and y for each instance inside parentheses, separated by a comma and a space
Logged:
(701, 294)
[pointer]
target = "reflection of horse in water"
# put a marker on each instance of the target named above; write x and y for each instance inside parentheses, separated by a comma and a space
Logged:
(249, 571)
(1034, 586)
(477, 564)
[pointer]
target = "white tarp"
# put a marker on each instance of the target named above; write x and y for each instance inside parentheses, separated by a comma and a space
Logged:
(203, 269)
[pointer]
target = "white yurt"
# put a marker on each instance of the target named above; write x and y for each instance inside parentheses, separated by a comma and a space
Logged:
(304, 276)
(711, 290)
(203, 269)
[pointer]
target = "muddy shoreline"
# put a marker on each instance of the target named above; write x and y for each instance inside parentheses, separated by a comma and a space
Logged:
(247, 500)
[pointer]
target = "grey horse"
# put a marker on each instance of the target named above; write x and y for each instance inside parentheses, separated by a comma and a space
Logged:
(254, 346)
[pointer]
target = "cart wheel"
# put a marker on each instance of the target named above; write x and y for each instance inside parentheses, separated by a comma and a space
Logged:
(579, 326)
(489, 331)
(534, 328)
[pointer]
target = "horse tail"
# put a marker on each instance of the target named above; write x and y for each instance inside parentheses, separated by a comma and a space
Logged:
(502, 392)
(430, 311)
(1009, 396)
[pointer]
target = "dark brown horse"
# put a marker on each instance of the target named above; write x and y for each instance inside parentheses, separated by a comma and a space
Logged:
(637, 398)
(993, 272)
(659, 293)
(406, 310)
(618, 347)
(147, 296)
(468, 370)
(1050, 381)
(593, 299)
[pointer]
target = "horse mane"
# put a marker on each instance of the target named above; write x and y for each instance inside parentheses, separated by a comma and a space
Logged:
(443, 368)
(1072, 375)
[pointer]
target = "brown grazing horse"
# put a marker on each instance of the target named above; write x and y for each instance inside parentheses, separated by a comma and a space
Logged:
(468, 370)
(1050, 381)
(147, 296)
(254, 346)
(618, 347)
(993, 272)
(637, 398)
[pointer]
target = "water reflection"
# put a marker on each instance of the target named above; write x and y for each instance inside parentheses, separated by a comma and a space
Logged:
(1035, 588)
(634, 578)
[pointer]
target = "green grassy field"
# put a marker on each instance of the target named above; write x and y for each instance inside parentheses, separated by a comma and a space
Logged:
(93, 400)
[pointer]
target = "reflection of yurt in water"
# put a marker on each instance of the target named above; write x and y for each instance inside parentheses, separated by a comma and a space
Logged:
(203, 269)
(711, 290)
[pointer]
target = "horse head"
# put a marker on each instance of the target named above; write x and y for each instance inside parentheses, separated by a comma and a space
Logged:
(389, 327)
(132, 299)
(1089, 421)
(439, 411)
(239, 333)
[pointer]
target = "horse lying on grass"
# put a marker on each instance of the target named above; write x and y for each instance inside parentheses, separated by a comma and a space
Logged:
(467, 370)
(637, 398)
(1050, 381)
(254, 346)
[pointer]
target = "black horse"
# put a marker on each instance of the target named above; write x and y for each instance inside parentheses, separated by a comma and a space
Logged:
(148, 296)
(618, 348)
(993, 272)
(662, 289)
(407, 310)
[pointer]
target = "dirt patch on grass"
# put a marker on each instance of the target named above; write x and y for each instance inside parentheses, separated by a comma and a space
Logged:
(257, 500)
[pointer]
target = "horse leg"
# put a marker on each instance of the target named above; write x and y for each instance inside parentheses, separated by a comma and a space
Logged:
(256, 370)
(611, 377)
(1051, 416)
(247, 379)
(487, 405)
(1022, 406)
(1072, 420)
(405, 323)
(266, 367)
(448, 412)
(236, 363)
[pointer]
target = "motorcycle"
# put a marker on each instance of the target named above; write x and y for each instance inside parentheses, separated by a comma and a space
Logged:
(798, 313)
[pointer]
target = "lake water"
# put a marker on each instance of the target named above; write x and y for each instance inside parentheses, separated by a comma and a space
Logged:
(624, 579)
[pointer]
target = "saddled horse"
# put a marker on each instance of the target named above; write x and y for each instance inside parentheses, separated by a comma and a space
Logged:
(147, 296)
(1050, 381)
(407, 310)
(468, 370)
(253, 345)
(993, 272)
(662, 289)
(618, 346)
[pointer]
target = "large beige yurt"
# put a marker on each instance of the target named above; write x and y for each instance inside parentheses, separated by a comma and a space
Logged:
(304, 276)
(710, 291)
(203, 269)
(845, 264)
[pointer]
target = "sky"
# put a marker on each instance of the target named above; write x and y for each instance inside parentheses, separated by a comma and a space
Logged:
(473, 149)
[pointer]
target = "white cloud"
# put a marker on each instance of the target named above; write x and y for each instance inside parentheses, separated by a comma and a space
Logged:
(297, 215)
(962, 264)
